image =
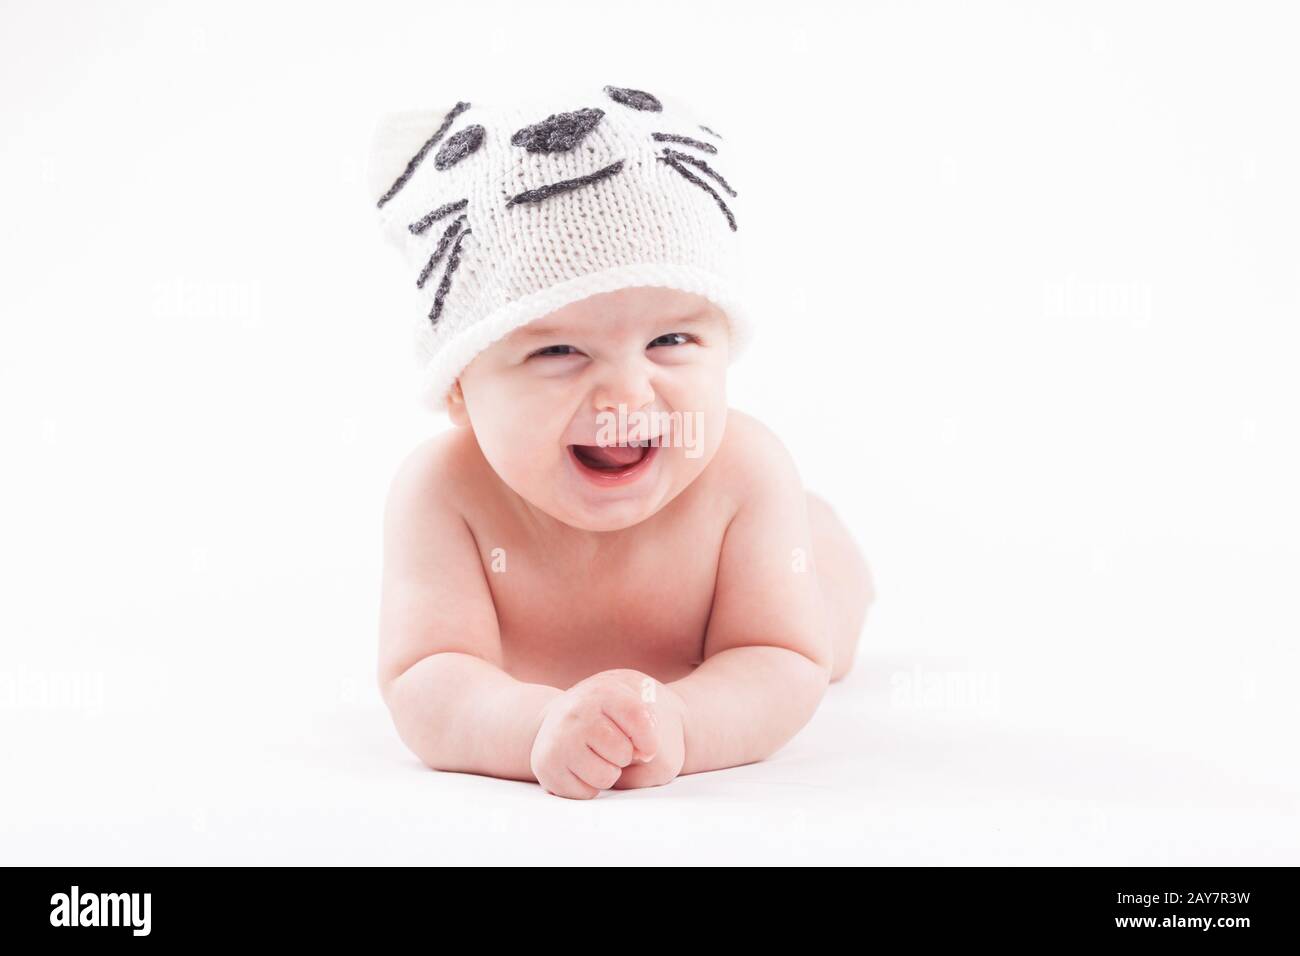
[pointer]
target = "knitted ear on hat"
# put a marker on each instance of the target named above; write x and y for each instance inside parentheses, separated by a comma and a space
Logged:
(397, 137)
(506, 213)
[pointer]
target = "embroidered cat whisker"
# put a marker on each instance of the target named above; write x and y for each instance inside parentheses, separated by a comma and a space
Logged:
(542, 192)
(699, 164)
(452, 262)
(445, 241)
(731, 219)
(420, 225)
(684, 140)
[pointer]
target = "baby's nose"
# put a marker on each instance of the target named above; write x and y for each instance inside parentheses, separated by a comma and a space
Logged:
(627, 385)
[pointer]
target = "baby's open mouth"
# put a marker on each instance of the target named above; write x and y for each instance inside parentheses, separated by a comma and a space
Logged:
(613, 461)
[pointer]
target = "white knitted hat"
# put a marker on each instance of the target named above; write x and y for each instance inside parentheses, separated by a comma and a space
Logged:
(506, 213)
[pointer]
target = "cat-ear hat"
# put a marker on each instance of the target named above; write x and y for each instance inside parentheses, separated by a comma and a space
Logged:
(507, 212)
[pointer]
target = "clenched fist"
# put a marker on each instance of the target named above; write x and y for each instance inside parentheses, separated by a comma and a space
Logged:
(619, 728)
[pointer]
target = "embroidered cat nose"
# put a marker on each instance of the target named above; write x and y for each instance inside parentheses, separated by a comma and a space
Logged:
(559, 132)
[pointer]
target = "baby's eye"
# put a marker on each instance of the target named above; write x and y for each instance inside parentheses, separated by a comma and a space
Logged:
(555, 350)
(672, 338)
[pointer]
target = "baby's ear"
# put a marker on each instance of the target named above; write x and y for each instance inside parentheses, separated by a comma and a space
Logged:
(397, 137)
(456, 409)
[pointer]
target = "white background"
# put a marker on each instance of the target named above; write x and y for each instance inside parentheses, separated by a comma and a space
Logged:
(1027, 279)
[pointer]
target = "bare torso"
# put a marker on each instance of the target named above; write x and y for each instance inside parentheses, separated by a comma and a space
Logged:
(638, 598)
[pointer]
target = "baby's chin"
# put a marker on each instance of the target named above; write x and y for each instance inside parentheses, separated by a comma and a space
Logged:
(609, 515)
(620, 520)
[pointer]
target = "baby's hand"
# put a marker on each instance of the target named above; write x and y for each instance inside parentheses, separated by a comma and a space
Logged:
(668, 711)
(591, 732)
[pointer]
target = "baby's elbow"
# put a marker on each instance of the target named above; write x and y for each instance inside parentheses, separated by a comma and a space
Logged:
(813, 674)
(820, 654)
(820, 679)
(422, 729)
(393, 680)
(384, 678)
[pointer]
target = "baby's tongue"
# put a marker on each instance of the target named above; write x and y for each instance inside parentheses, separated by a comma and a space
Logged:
(612, 456)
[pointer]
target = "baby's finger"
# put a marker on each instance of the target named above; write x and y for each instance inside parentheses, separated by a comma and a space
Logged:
(634, 717)
(594, 770)
(611, 743)
(574, 787)
(643, 775)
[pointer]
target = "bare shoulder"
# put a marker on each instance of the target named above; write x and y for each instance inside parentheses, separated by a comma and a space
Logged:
(441, 473)
(755, 461)
(434, 596)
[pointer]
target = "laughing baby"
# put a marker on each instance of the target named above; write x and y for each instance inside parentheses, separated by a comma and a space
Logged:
(600, 577)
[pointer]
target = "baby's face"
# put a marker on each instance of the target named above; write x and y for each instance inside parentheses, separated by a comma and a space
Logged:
(560, 406)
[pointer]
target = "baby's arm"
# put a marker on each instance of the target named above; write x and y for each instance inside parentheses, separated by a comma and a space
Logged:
(440, 646)
(767, 653)
(440, 659)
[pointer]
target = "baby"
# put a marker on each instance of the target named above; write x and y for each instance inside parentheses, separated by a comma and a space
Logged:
(601, 577)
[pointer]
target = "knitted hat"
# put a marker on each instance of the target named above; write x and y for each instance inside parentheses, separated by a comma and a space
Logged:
(505, 213)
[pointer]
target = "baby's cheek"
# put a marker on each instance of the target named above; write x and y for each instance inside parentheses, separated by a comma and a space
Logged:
(527, 467)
